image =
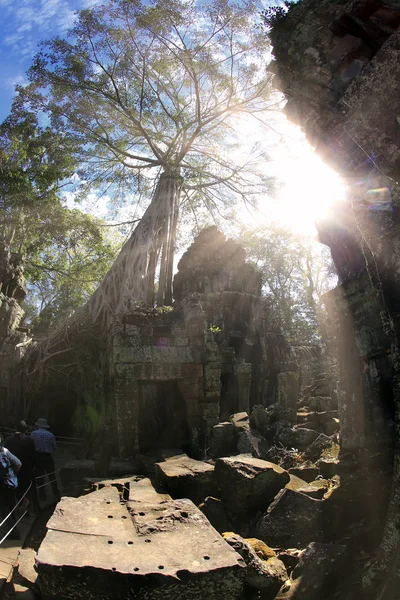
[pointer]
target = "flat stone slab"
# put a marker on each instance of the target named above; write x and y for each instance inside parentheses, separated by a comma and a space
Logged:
(185, 477)
(150, 548)
(247, 483)
(26, 562)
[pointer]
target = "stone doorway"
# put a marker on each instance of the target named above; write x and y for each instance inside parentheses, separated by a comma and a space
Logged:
(162, 416)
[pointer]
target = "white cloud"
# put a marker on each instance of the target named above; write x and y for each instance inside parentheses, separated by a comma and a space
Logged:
(11, 82)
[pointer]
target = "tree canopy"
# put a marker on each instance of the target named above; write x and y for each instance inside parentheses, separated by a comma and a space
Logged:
(151, 94)
(296, 272)
(66, 252)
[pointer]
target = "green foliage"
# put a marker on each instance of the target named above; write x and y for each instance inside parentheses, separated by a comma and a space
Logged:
(157, 86)
(272, 15)
(164, 309)
(33, 161)
(68, 255)
(296, 271)
(214, 329)
(88, 420)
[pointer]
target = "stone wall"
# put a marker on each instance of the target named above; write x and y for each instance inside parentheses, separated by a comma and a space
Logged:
(338, 63)
(206, 358)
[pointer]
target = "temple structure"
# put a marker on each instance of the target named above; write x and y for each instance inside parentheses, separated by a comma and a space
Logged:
(164, 377)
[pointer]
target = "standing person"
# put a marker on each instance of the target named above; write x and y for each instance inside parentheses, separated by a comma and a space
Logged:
(45, 444)
(23, 447)
(9, 467)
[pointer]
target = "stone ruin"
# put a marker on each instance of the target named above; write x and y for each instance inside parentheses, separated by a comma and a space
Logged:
(211, 356)
(303, 520)
(338, 64)
(167, 375)
(205, 378)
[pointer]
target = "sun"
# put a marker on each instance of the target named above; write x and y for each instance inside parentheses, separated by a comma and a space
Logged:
(306, 187)
(309, 189)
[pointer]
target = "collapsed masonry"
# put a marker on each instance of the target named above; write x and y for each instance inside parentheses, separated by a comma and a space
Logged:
(147, 539)
(338, 63)
(163, 377)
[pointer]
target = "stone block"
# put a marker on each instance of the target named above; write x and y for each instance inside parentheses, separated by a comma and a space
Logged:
(318, 446)
(248, 484)
(260, 419)
(344, 46)
(316, 573)
(240, 420)
(223, 439)
(331, 426)
(293, 520)
(315, 489)
(303, 437)
(184, 477)
(261, 549)
(252, 442)
(267, 575)
(26, 565)
(214, 510)
(137, 551)
(210, 412)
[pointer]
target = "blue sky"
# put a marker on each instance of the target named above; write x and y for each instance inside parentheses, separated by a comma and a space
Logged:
(23, 24)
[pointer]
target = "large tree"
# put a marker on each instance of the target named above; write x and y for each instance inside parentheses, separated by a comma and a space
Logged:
(152, 95)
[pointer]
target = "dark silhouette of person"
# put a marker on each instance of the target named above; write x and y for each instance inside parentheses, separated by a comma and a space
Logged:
(45, 444)
(23, 447)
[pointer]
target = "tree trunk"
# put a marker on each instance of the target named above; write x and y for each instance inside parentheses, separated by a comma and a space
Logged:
(172, 193)
(131, 278)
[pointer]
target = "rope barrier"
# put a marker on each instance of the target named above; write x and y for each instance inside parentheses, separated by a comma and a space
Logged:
(48, 474)
(70, 443)
(59, 438)
(45, 484)
(13, 527)
(18, 503)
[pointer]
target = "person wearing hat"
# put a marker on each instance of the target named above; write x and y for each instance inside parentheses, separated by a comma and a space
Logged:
(45, 444)
(23, 447)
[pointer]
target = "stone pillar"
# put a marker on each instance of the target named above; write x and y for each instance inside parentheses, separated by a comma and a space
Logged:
(288, 393)
(127, 410)
(242, 372)
(355, 313)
